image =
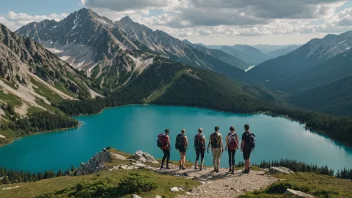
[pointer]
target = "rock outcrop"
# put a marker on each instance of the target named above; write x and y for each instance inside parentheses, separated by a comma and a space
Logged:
(95, 164)
(296, 193)
(144, 157)
(280, 169)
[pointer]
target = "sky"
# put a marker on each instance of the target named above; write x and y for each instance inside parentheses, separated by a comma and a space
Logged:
(211, 22)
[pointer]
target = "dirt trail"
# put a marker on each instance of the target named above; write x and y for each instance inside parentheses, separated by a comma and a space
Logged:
(223, 184)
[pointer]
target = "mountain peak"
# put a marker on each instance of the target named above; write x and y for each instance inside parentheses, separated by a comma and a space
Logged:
(126, 19)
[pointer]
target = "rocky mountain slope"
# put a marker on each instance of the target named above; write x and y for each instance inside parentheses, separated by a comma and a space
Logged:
(31, 77)
(273, 72)
(114, 53)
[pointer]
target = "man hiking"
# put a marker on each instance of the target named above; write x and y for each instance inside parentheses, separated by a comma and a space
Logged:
(247, 147)
(232, 146)
(217, 148)
(164, 143)
(181, 146)
(199, 146)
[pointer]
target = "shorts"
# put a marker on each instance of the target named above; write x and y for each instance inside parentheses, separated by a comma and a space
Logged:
(182, 150)
(246, 154)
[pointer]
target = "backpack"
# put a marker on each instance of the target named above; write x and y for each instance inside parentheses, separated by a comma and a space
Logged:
(232, 143)
(199, 141)
(180, 142)
(250, 140)
(161, 141)
(215, 140)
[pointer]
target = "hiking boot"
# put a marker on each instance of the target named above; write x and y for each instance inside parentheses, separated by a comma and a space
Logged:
(230, 170)
(217, 170)
(195, 168)
(180, 168)
(168, 168)
(183, 168)
(245, 171)
(233, 172)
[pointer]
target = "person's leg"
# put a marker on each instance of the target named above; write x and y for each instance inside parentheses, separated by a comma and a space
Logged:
(213, 151)
(233, 160)
(219, 156)
(184, 160)
(197, 158)
(202, 159)
(163, 160)
(167, 158)
(180, 161)
(229, 152)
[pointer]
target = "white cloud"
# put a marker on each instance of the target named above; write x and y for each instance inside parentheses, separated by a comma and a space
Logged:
(14, 20)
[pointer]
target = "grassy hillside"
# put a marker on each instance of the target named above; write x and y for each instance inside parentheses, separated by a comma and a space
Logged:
(310, 183)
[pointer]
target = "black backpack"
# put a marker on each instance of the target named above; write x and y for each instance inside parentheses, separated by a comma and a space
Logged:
(180, 142)
(199, 141)
(250, 140)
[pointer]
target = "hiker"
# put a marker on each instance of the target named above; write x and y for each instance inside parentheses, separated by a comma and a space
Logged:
(181, 145)
(217, 148)
(199, 146)
(232, 146)
(164, 144)
(247, 147)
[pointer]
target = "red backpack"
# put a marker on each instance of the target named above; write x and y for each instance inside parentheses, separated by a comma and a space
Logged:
(161, 141)
(232, 143)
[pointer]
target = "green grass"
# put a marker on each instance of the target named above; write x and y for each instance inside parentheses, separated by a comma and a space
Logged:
(105, 182)
(310, 183)
(10, 98)
(46, 92)
(160, 92)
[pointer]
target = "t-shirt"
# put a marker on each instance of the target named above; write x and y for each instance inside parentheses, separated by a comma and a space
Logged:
(245, 138)
(166, 146)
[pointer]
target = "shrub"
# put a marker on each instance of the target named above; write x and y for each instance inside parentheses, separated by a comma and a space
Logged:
(136, 183)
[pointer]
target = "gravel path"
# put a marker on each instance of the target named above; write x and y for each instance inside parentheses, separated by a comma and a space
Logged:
(223, 184)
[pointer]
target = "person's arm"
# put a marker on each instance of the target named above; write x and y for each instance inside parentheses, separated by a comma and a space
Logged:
(209, 144)
(237, 141)
(227, 142)
(222, 145)
(186, 141)
(168, 142)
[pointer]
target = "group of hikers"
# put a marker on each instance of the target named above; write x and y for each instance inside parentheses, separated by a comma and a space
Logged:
(215, 143)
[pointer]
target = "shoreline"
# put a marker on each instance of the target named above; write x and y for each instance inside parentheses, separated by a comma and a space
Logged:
(39, 133)
(267, 113)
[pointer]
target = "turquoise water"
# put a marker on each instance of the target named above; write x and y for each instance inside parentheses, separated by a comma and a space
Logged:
(132, 128)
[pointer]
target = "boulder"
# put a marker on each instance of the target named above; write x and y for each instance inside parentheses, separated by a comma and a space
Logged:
(144, 157)
(297, 193)
(136, 196)
(158, 196)
(280, 169)
(176, 189)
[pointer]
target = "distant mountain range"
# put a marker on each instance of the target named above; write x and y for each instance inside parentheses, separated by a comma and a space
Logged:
(252, 54)
(285, 72)
(106, 49)
(110, 57)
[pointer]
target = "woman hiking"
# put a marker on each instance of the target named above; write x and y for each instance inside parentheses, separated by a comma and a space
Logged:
(199, 147)
(165, 147)
(232, 146)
